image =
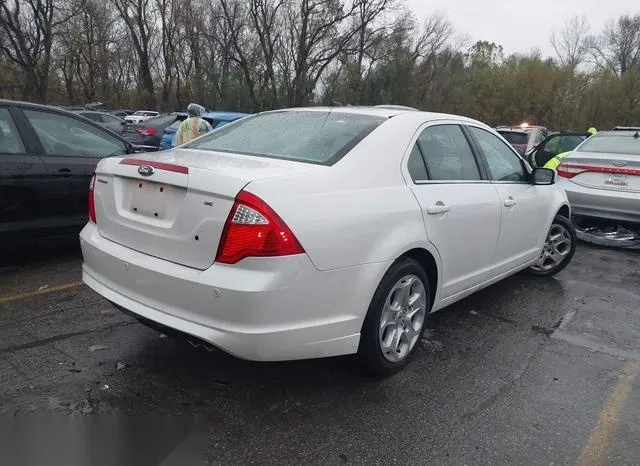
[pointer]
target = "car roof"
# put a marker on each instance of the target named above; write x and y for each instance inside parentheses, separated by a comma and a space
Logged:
(411, 115)
(619, 132)
(511, 130)
(224, 115)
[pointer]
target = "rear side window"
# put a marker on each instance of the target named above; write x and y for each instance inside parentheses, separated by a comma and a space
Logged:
(305, 136)
(416, 166)
(515, 138)
(616, 143)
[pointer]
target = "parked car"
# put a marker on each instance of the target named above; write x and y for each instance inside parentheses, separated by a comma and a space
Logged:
(602, 176)
(277, 238)
(534, 136)
(554, 144)
(140, 116)
(150, 132)
(106, 120)
(47, 157)
(122, 113)
(215, 119)
(518, 138)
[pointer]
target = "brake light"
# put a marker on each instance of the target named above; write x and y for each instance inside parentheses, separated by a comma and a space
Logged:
(147, 131)
(253, 229)
(92, 202)
(567, 170)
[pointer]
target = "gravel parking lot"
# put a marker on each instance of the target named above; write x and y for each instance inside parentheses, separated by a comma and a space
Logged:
(531, 371)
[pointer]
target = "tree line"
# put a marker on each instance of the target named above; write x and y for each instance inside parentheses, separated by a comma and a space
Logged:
(252, 55)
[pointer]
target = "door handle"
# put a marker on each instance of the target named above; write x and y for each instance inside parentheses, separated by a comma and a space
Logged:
(64, 172)
(510, 202)
(438, 208)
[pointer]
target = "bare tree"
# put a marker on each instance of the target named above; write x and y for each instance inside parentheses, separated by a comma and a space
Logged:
(29, 27)
(265, 20)
(618, 48)
(139, 18)
(316, 36)
(572, 43)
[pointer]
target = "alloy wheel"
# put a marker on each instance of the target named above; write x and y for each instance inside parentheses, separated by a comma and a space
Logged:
(402, 318)
(555, 250)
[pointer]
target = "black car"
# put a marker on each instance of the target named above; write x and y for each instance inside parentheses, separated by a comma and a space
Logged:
(47, 157)
(554, 144)
(149, 132)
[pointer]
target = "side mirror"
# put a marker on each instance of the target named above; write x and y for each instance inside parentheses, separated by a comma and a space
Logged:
(544, 176)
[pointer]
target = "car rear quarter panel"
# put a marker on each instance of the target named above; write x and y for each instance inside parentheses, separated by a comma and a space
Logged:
(357, 211)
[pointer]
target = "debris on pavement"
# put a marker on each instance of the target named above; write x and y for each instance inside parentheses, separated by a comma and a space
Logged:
(121, 365)
(607, 233)
(95, 348)
(104, 387)
(162, 335)
(474, 313)
(43, 287)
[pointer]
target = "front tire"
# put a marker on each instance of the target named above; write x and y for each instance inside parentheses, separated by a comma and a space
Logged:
(558, 249)
(396, 318)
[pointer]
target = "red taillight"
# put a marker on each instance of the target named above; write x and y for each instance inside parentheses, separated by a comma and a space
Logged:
(253, 229)
(567, 170)
(92, 202)
(147, 131)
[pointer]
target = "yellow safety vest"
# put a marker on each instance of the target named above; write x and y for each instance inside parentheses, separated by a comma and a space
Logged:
(556, 161)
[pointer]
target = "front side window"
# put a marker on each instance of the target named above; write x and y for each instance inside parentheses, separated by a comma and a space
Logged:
(65, 136)
(304, 136)
(10, 141)
(448, 154)
(504, 164)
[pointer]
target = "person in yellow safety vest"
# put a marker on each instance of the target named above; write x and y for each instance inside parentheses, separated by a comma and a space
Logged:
(557, 160)
(194, 126)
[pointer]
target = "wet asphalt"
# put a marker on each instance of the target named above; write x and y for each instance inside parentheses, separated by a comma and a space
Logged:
(530, 371)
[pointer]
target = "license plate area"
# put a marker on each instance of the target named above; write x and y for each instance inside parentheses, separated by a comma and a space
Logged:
(617, 181)
(150, 199)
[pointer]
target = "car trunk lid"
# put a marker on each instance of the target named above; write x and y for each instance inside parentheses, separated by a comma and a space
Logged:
(615, 172)
(174, 205)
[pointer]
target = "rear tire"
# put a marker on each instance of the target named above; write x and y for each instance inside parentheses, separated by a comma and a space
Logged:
(396, 318)
(558, 249)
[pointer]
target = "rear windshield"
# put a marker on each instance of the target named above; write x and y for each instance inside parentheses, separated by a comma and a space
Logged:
(612, 144)
(515, 138)
(314, 137)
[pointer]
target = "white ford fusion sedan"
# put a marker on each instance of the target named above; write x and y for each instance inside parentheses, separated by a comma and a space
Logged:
(316, 232)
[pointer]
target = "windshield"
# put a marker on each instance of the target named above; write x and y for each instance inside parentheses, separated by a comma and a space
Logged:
(314, 137)
(617, 143)
(515, 138)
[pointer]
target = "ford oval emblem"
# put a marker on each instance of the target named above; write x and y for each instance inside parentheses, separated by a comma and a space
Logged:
(146, 170)
(619, 163)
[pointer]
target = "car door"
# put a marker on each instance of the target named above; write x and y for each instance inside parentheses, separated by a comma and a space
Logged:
(23, 183)
(71, 148)
(553, 145)
(460, 208)
(524, 206)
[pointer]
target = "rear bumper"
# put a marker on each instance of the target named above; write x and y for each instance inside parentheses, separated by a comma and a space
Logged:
(260, 309)
(602, 203)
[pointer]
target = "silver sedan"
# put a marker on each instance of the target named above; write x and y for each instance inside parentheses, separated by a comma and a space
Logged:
(602, 177)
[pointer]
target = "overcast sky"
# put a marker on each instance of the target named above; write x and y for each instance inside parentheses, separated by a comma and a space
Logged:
(521, 26)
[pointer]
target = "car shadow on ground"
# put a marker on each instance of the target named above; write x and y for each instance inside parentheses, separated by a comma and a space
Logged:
(201, 380)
